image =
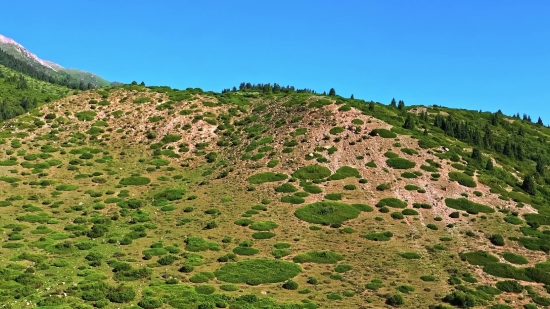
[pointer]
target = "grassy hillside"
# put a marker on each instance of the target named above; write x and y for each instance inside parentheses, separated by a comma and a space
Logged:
(154, 197)
(20, 93)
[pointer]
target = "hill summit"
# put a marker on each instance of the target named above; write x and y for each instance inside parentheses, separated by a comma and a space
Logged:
(265, 196)
(12, 48)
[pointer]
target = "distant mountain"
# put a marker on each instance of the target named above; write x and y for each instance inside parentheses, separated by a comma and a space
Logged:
(25, 62)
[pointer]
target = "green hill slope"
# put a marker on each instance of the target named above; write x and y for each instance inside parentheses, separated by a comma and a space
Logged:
(270, 198)
(20, 93)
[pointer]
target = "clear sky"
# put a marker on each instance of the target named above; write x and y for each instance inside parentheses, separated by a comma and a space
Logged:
(471, 54)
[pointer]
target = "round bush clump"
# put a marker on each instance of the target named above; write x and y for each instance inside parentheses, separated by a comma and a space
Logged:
(263, 235)
(263, 225)
(409, 212)
(327, 212)
(311, 172)
(479, 257)
(317, 256)
(286, 188)
(205, 289)
(261, 270)
(397, 215)
(135, 181)
(292, 199)
(290, 285)
(515, 258)
(266, 177)
(392, 202)
(400, 163)
(410, 255)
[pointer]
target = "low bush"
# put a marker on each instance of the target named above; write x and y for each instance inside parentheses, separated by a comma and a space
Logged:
(318, 256)
(266, 177)
(311, 172)
(479, 257)
(400, 163)
(514, 258)
(258, 271)
(462, 179)
(392, 202)
(466, 205)
(382, 236)
(327, 212)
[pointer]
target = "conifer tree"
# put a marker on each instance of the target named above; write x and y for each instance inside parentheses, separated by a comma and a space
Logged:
(371, 106)
(539, 122)
(332, 92)
(528, 185)
(476, 155)
(401, 105)
(489, 166)
(409, 122)
(393, 103)
(352, 98)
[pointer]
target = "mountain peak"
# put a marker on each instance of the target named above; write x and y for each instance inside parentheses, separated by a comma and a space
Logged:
(18, 48)
(11, 47)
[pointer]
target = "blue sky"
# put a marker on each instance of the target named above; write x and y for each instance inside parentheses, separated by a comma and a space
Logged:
(485, 55)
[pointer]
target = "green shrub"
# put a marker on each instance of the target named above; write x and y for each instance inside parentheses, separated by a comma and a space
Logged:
(195, 244)
(515, 258)
(384, 133)
(497, 240)
(382, 236)
(336, 130)
(292, 199)
(290, 285)
(286, 188)
(327, 212)
(410, 255)
(370, 164)
(466, 205)
(409, 212)
(311, 172)
(503, 270)
(345, 172)
(342, 268)
(409, 175)
(202, 277)
(511, 286)
(333, 196)
(258, 271)
(462, 179)
(266, 177)
(263, 225)
(400, 163)
(427, 278)
(395, 300)
(397, 215)
(479, 257)
(229, 287)
(318, 256)
(263, 235)
(513, 220)
(135, 181)
(391, 202)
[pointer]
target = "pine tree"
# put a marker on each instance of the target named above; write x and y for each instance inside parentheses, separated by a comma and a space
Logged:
(540, 167)
(425, 131)
(476, 155)
(409, 122)
(489, 166)
(371, 106)
(539, 122)
(528, 185)
(401, 105)
(332, 92)
(393, 103)
(352, 98)
(142, 83)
